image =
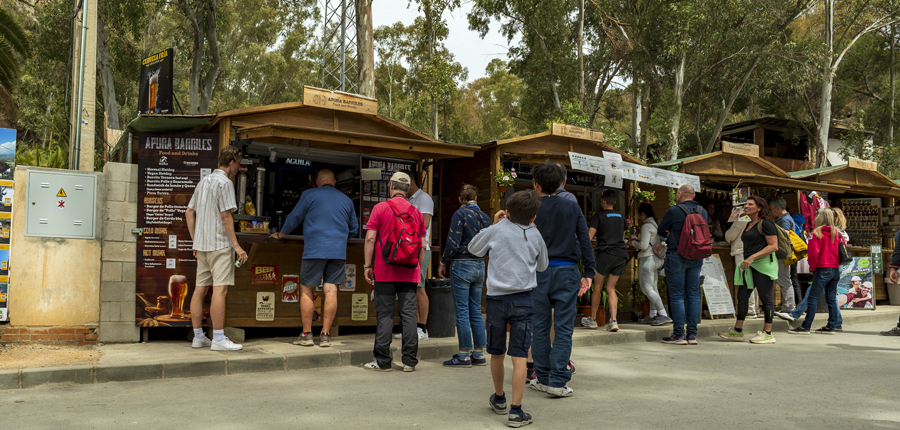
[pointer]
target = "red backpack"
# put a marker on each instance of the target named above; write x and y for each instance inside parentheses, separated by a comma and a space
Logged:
(404, 243)
(695, 243)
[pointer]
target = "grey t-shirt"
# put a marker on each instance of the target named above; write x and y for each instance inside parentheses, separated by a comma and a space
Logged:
(517, 252)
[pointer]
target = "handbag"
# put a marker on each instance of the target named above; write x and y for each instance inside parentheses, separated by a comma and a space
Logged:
(844, 256)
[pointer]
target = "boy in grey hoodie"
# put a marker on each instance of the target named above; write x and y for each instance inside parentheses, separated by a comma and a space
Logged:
(517, 252)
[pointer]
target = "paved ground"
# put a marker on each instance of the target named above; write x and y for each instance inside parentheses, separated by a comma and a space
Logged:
(849, 380)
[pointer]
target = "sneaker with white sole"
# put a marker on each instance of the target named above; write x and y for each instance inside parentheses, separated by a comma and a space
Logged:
(799, 330)
(518, 419)
(305, 339)
(588, 322)
(732, 335)
(374, 366)
(537, 386)
(612, 326)
(660, 320)
(409, 368)
(763, 337)
(894, 331)
(423, 335)
(225, 345)
(499, 407)
(563, 391)
(201, 342)
(785, 316)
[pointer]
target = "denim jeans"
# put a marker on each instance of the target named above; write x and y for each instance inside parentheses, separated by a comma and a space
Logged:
(683, 277)
(803, 305)
(825, 278)
(466, 280)
(557, 291)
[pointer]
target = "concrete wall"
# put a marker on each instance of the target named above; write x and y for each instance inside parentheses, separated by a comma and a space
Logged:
(117, 286)
(53, 282)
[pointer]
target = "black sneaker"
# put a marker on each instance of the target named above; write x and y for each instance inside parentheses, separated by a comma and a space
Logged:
(530, 374)
(498, 407)
(894, 331)
(478, 361)
(825, 330)
(516, 420)
(799, 330)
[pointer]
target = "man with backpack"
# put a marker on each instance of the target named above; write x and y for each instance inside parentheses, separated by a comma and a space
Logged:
(685, 229)
(784, 220)
(395, 242)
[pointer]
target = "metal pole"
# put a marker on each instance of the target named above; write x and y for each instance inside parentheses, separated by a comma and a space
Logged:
(343, 43)
(78, 124)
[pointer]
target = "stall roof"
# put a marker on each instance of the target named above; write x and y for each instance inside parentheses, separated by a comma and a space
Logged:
(732, 167)
(556, 144)
(859, 177)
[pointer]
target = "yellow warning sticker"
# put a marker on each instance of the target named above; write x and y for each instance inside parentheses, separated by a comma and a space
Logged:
(61, 193)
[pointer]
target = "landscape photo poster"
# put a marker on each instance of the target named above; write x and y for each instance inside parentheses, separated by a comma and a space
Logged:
(7, 169)
(169, 168)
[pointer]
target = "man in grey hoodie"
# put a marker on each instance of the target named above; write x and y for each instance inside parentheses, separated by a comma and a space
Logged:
(517, 252)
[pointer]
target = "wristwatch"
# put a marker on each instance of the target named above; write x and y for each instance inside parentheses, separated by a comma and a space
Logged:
(366, 267)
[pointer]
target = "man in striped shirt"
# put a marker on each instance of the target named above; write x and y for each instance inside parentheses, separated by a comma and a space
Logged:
(210, 222)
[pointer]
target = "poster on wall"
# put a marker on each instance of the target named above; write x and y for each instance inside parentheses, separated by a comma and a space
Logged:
(375, 177)
(854, 290)
(155, 93)
(169, 168)
(715, 287)
(7, 170)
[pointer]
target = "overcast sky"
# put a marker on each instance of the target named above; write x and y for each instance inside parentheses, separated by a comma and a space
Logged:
(470, 50)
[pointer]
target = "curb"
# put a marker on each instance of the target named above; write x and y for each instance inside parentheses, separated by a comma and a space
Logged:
(184, 368)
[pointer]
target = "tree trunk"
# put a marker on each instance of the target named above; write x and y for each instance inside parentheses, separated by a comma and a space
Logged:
(365, 42)
(637, 109)
(676, 117)
(581, 54)
(212, 40)
(107, 85)
(645, 115)
(431, 40)
(553, 92)
(720, 121)
(827, 84)
(890, 132)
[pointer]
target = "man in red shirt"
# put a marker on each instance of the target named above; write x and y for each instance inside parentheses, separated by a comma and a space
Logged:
(393, 280)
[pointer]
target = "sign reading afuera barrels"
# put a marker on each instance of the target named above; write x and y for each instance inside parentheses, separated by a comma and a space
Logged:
(856, 163)
(169, 168)
(575, 132)
(747, 150)
(337, 100)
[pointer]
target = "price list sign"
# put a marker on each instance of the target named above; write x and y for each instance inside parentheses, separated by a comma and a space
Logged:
(169, 168)
(376, 176)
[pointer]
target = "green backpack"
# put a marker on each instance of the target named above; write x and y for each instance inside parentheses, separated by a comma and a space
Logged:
(785, 247)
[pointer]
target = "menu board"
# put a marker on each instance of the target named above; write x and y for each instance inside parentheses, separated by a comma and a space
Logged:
(7, 170)
(715, 287)
(169, 168)
(376, 175)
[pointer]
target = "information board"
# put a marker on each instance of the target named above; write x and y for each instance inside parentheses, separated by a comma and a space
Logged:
(715, 287)
(375, 177)
(169, 168)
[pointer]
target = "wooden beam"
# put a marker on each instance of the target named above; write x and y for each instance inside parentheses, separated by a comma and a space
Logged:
(759, 138)
(224, 133)
(776, 182)
(496, 167)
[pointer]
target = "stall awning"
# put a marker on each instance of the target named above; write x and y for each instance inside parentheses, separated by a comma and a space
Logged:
(555, 145)
(858, 176)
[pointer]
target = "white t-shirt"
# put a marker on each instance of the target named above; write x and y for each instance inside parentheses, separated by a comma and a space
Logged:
(423, 202)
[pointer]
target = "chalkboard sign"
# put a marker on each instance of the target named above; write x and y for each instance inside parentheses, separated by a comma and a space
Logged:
(715, 287)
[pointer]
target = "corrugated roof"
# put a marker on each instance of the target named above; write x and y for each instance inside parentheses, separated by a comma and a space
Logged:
(813, 172)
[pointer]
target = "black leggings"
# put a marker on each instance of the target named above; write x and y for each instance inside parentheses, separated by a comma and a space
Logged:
(764, 285)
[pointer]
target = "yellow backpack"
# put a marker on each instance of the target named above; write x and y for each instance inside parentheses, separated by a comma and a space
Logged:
(799, 248)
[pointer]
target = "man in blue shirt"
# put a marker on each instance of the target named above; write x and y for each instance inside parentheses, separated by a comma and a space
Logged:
(328, 220)
(784, 220)
(682, 274)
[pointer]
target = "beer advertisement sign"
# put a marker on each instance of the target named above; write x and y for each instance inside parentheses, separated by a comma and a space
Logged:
(169, 168)
(264, 274)
(265, 306)
(155, 94)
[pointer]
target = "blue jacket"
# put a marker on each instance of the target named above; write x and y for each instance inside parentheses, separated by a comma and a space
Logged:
(564, 230)
(785, 221)
(328, 219)
(466, 223)
(673, 221)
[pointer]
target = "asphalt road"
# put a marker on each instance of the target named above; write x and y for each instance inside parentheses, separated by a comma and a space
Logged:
(846, 381)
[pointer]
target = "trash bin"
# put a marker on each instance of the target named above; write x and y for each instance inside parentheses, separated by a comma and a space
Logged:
(441, 310)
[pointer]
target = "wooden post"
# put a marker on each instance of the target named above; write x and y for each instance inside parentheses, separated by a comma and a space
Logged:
(224, 133)
(496, 167)
(759, 138)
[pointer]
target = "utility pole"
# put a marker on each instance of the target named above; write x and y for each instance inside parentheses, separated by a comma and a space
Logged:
(84, 88)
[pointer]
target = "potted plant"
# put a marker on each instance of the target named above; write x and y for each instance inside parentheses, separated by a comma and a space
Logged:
(626, 307)
(584, 305)
(505, 179)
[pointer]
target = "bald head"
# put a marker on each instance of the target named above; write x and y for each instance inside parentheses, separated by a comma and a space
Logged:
(685, 193)
(325, 177)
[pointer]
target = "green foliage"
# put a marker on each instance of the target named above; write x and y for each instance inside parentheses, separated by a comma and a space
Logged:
(56, 156)
(14, 47)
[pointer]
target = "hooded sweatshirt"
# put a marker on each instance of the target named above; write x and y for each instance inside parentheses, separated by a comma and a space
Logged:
(517, 253)
(823, 251)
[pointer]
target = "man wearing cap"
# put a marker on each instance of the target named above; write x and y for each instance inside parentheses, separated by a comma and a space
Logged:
(392, 281)
(328, 220)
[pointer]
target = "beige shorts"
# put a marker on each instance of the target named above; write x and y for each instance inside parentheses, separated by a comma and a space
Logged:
(215, 268)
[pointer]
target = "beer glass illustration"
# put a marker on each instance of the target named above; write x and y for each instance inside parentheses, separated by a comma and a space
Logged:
(154, 90)
(178, 288)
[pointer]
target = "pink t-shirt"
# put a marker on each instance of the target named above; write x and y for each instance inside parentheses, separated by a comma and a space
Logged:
(382, 221)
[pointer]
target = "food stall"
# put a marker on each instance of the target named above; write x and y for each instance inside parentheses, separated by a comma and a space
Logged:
(869, 206)
(284, 146)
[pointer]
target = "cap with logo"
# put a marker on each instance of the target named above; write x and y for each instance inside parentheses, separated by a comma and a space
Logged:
(400, 177)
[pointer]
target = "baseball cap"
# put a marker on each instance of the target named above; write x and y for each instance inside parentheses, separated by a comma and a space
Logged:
(867, 284)
(855, 278)
(400, 177)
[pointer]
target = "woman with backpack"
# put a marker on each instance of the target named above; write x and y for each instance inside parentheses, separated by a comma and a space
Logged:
(757, 271)
(648, 266)
(824, 262)
(466, 278)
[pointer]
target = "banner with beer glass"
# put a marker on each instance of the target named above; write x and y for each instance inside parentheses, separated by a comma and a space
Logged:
(169, 168)
(7, 168)
(155, 92)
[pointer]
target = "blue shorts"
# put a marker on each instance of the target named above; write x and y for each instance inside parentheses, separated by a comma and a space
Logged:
(517, 310)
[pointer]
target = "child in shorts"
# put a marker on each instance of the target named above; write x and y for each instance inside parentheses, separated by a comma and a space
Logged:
(517, 253)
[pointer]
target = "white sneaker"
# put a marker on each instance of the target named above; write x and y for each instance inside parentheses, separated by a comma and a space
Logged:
(785, 316)
(225, 345)
(373, 365)
(201, 342)
(398, 336)
(537, 386)
(563, 391)
(588, 322)
(423, 335)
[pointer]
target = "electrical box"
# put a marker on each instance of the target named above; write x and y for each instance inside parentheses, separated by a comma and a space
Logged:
(61, 204)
